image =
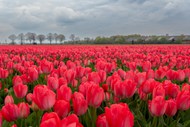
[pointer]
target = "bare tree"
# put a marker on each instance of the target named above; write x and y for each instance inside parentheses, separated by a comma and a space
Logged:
(55, 36)
(50, 37)
(72, 37)
(61, 37)
(28, 37)
(21, 37)
(41, 38)
(31, 37)
(12, 38)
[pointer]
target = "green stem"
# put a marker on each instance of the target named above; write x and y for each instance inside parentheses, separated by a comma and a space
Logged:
(37, 119)
(93, 115)
(154, 123)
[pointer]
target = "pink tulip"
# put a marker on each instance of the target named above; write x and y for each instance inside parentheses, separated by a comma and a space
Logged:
(43, 97)
(119, 115)
(20, 90)
(157, 106)
(95, 96)
(53, 83)
(50, 120)
(80, 105)
(24, 110)
(64, 93)
(10, 112)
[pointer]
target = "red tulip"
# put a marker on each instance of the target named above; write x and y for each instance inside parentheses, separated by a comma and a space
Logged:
(14, 125)
(70, 75)
(24, 110)
(150, 74)
(142, 95)
(157, 106)
(102, 75)
(46, 66)
(94, 76)
(53, 83)
(132, 66)
(119, 115)
(172, 90)
(62, 108)
(29, 97)
(105, 87)
(62, 81)
(17, 80)
(20, 90)
(80, 71)
(146, 66)
(3, 73)
(140, 78)
(43, 97)
(121, 73)
(71, 121)
(64, 93)
(183, 100)
(10, 112)
(33, 74)
(95, 95)
(148, 86)
(50, 120)
(159, 74)
(128, 88)
(171, 107)
(180, 75)
(101, 121)
(186, 87)
(158, 91)
(9, 99)
(80, 105)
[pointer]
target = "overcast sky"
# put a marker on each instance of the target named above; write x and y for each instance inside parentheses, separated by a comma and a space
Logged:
(95, 17)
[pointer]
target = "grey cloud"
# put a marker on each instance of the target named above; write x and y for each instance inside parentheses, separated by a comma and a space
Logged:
(92, 18)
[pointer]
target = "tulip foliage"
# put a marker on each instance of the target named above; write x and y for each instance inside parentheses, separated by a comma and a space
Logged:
(95, 86)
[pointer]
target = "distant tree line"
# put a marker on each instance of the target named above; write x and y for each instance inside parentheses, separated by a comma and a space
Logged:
(129, 39)
(32, 38)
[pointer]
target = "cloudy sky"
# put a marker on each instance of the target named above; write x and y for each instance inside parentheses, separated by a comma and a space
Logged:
(95, 17)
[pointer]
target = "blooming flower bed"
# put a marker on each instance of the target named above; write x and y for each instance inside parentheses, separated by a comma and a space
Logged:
(95, 86)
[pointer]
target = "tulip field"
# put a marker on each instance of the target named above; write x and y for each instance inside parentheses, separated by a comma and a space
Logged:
(95, 86)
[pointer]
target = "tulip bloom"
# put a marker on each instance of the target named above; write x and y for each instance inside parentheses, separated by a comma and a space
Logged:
(171, 107)
(10, 112)
(46, 66)
(95, 95)
(72, 121)
(20, 90)
(62, 108)
(50, 120)
(183, 100)
(33, 74)
(24, 110)
(17, 80)
(94, 76)
(157, 106)
(80, 105)
(158, 91)
(53, 83)
(101, 121)
(9, 99)
(119, 115)
(43, 97)
(64, 93)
